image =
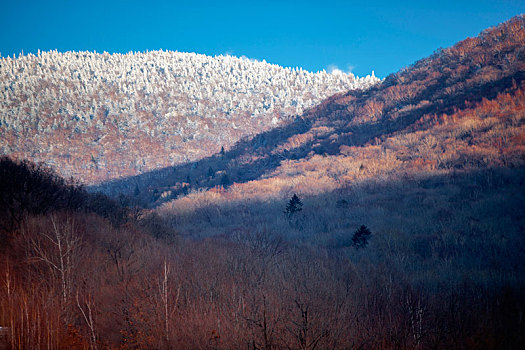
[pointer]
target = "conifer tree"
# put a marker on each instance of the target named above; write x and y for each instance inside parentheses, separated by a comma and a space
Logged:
(361, 236)
(294, 206)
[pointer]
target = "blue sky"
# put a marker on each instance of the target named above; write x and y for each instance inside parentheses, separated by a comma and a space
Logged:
(357, 36)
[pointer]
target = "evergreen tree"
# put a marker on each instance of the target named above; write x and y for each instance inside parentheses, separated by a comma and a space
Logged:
(361, 236)
(294, 206)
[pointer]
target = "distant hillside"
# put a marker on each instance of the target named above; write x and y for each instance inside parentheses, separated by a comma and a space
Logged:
(460, 109)
(388, 218)
(100, 116)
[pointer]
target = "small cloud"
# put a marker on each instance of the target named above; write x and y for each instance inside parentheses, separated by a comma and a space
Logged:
(333, 69)
(244, 57)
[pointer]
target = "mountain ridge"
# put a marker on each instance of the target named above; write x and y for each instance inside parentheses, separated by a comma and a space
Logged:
(415, 120)
(93, 116)
(386, 218)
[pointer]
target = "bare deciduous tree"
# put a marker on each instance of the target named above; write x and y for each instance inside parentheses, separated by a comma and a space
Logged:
(59, 251)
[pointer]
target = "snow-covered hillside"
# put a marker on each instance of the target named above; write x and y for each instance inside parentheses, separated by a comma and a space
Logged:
(101, 116)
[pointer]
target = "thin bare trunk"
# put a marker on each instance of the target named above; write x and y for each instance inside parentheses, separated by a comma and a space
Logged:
(165, 300)
(88, 318)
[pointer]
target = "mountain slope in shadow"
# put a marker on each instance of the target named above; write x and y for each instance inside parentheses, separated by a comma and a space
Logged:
(448, 87)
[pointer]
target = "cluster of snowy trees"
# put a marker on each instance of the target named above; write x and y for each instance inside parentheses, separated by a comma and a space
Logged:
(167, 97)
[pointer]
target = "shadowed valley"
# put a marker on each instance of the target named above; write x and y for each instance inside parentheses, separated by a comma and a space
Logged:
(390, 217)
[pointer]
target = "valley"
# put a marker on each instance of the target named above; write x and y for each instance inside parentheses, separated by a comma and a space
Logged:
(315, 210)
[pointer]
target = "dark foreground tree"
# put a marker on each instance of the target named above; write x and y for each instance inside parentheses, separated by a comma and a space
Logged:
(361, 236)
(294, 206)
(28, 188)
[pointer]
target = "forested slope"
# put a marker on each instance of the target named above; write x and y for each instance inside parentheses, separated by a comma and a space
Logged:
(100, 116)
(390, 218)
(460, 109)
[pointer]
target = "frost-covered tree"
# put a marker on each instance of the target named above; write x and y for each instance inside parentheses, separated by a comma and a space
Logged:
(181, 106)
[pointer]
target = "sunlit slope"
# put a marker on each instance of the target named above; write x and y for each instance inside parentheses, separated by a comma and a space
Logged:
(462, 109)
(103, 116)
